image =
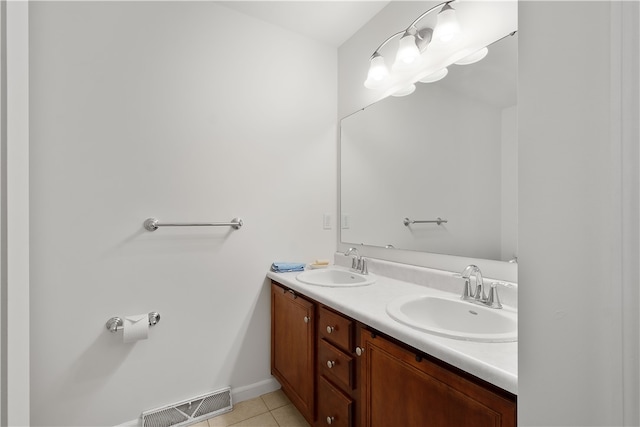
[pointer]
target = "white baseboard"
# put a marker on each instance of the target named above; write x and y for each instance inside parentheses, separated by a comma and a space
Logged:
(238, 394)
(131, 423)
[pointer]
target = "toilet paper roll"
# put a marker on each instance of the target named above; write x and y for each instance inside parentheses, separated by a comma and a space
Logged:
(136, 327)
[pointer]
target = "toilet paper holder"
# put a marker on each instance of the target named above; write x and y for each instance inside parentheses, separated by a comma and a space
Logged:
(116, 324)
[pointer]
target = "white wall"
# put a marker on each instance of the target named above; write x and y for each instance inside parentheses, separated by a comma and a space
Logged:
(627, 18)
(509, 183)
(3, 213)
(570, 290)
(186, 111)
(15, 280)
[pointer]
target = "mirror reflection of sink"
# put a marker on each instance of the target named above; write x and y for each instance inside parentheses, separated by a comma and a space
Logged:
(454, 318)
(335, 278)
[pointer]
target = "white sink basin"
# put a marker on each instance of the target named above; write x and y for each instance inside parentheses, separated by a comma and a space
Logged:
(335, 278)
(454, 318)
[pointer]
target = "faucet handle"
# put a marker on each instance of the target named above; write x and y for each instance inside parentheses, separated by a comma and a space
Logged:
(493, 300)
(364, 269)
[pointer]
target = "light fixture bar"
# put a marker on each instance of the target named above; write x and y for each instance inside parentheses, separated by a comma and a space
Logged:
(413, 24)
(391, 37)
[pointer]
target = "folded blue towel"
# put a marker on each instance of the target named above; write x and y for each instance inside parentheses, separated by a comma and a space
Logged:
(284, 267)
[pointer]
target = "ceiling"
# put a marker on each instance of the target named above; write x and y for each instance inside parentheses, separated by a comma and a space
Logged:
(329, 22)
(334, 21)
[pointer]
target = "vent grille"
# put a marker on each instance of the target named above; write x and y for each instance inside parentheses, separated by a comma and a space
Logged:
(190, 411)
(165, 418)
(214, 403)
(189, 408)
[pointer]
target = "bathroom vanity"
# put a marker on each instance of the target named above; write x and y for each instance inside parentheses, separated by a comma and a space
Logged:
(339, 368)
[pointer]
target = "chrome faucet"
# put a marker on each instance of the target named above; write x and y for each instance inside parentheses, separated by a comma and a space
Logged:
(358, 263)
(468, 293)
(478, 296)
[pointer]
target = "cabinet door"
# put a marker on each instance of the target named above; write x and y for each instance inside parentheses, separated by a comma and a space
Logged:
(292, 347)
(334, 407)
(402, 390)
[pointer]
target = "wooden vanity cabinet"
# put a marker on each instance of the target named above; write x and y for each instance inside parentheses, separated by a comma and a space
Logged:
(293, 347)
(339, 372)
(404, 388)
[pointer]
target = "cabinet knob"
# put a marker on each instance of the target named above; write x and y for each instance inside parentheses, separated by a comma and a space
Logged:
(330, 329)
(330, 420)
(306, 319)
(330, 364)
(359, 351)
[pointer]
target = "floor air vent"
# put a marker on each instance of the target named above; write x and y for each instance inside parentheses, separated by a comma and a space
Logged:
(190, 411)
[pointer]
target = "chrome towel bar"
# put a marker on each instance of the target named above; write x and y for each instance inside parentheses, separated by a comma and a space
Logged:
(152, 224)
(438, 221)
(116, 324)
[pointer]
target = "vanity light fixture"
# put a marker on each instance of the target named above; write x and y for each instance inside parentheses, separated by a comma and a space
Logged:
(415, 61)
(434, 77)
(413, 42)
(474, 57)
(447, 27)
(408, 51)
(408, 90)
(378, 71)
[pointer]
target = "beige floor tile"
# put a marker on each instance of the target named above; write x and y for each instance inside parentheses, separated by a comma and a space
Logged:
(241, 411)
(288, 416)
(275, 399)
(263, 420)
(201, 424)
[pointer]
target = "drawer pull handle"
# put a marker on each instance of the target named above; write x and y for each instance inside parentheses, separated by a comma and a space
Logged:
(330, 364)
(306, 319)
(359, 351)
(330, 420)
(330, 329)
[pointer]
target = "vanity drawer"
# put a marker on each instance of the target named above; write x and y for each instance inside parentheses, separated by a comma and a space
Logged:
(336, 329)
(334, 408)
(336, 365)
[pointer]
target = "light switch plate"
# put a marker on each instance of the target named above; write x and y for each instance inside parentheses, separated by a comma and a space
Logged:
(346, 221)
(326, 221)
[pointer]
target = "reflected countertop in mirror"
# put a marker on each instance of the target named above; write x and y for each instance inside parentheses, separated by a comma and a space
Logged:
(447, 151)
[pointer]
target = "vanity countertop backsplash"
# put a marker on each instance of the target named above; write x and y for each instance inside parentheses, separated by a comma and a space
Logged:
(494, 362)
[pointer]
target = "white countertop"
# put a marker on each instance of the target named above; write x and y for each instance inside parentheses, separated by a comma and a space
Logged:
(496, 363)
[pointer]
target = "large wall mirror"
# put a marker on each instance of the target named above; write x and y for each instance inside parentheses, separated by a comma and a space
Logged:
(447, 151)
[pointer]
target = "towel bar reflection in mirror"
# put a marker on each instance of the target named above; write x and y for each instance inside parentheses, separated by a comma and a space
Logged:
(438, 221)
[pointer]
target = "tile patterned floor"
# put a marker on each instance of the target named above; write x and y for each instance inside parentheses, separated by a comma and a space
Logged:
(269, 410)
